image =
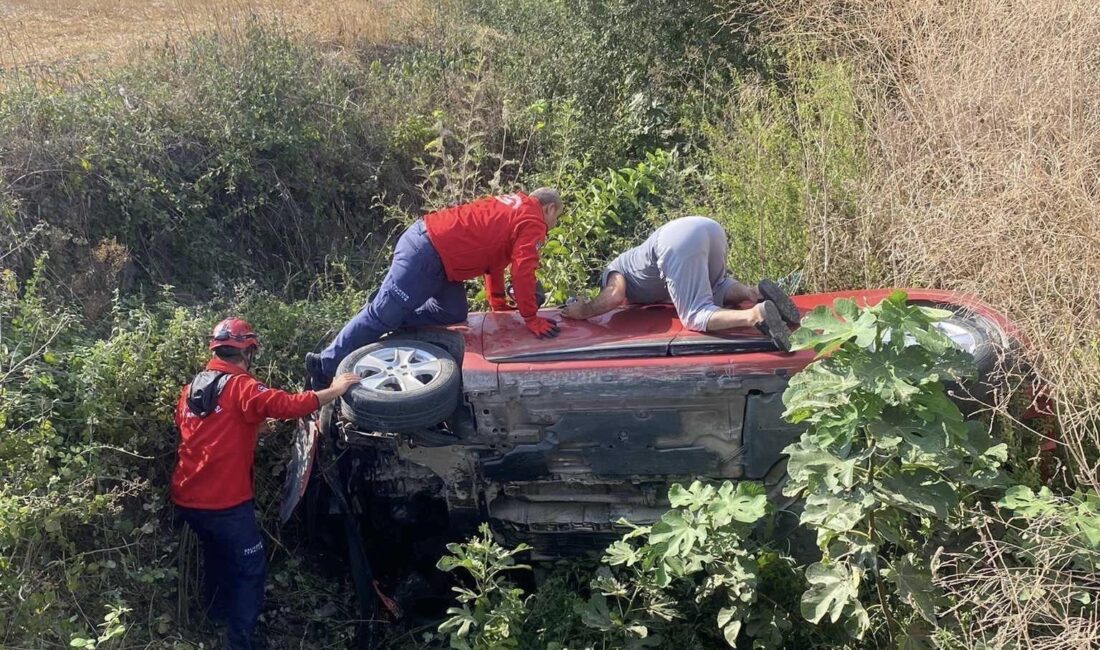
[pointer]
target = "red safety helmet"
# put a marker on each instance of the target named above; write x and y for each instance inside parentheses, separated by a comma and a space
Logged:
(234, 333)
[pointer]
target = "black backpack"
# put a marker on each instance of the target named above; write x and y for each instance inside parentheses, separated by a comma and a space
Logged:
(206, 387)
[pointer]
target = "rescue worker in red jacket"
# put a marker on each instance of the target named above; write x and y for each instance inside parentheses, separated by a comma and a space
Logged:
(436, 254)
(219, 415)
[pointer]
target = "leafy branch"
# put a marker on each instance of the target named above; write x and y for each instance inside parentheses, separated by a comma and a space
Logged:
(885, 455)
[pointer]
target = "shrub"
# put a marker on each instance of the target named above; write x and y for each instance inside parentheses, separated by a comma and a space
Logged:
(885, 461)
(227, 157)
(698, 557)
(783, 163)
(635, 74)
(492, 609)
(599, 219)
(86, 448)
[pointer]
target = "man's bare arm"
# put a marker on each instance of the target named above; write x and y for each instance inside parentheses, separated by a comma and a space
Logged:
(613, 295)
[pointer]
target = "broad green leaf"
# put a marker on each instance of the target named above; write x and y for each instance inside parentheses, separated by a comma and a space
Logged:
(1026, 503)
(767, 628)
(816, 390)
(934, 314)
(621, 553)
(693, 498)
(1087, 519)
(914, 586)
(929, 437)
(837, 513)
(595, 613)
(891, 525)
(834, 588)
(746, 504)
(730, 625)
(853, 548)
(918, 636)
(677, 533)
(809, 466)
(919, 491)
(827, 330)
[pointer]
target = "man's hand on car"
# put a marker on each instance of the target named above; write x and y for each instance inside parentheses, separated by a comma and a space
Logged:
(340, 385)
(541, 327)
(576, 308)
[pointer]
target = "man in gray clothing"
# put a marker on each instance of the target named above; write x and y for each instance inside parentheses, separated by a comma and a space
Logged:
(684, 262)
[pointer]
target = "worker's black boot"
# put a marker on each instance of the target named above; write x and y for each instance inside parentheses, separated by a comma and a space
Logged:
(315, 375)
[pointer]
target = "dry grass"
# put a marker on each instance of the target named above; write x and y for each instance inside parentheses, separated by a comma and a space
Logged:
(984, 177)
(1044, 615)
(985, 167)
(41, 36)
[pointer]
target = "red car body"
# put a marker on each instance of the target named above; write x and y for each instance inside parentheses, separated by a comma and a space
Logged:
(556, 439)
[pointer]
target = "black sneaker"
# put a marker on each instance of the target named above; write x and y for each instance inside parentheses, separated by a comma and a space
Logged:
(774, 327)
(771, 291)
(315, 375)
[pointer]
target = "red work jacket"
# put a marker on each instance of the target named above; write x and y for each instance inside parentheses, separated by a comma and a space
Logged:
(214, 468)
(485, 236)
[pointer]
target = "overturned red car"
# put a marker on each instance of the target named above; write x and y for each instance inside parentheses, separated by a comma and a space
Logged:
(554, 440)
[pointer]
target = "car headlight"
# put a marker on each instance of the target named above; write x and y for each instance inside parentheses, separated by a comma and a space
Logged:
(965, 336)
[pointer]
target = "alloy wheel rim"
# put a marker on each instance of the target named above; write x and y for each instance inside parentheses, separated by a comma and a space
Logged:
(399, 369)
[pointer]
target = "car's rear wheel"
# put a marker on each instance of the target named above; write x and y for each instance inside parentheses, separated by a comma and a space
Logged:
(407, 385)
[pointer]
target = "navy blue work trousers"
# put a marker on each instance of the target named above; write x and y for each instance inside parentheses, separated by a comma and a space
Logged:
(235, 567)
(415, 292)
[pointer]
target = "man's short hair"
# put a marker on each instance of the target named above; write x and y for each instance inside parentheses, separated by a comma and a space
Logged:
(547, 196)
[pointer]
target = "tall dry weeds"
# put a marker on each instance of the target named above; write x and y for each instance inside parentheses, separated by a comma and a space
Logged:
(984, 176)
(984, 173)
(1043, 611)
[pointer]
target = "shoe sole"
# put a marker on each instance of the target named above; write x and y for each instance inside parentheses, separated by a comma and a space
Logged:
(774, 327)
(787, 311)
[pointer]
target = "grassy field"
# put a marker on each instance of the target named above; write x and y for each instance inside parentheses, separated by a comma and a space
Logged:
(47, 36)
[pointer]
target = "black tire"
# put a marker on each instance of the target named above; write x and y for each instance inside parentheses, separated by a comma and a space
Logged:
(391, 409)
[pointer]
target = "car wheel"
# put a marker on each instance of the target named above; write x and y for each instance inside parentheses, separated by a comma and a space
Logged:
(407, 385)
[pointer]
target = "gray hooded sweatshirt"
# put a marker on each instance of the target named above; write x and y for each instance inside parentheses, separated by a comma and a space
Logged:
(682, 262)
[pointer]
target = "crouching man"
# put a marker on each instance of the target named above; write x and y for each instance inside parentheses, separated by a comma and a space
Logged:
(219, 416)
(684, 262)
(436, 254)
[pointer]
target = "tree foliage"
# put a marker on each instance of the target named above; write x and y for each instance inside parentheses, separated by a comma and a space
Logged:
(887, 458)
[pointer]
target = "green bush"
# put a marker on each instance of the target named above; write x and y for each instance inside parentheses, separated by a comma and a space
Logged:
(87, 444)
(255, 156)
(492, 608)
(636, 74)
(886, 461)
(599, 222)
(782, 163)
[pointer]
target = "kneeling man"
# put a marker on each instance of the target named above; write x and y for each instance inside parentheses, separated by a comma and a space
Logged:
(684, 262)
(436, 254)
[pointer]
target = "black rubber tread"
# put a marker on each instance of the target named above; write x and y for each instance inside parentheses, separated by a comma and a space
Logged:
(773, 292)
(774, 327)
(402, 412)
